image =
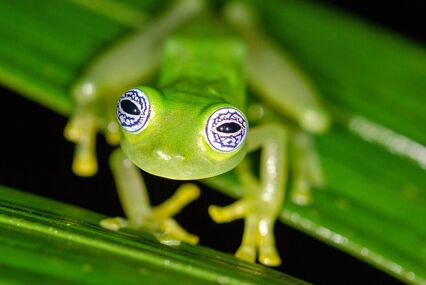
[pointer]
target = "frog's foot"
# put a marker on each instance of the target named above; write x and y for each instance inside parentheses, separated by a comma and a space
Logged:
(258, 234)
(306, 169)
(159, 221)
(81, 129)
(164, 212)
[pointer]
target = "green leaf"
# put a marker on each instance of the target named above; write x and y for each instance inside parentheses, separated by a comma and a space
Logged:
(47, 242)
(374, 157)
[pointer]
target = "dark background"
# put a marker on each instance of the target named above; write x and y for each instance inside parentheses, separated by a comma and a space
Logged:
(27, 127)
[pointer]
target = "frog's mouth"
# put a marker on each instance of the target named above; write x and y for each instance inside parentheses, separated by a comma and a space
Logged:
(179, 167)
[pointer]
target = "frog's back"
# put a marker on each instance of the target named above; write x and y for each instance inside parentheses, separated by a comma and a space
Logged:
(205, 54)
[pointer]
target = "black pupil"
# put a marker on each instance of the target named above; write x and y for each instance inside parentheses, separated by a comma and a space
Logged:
(129, 107)
(229, 128)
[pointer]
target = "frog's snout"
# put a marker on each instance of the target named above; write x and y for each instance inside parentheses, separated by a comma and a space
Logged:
(172, 164)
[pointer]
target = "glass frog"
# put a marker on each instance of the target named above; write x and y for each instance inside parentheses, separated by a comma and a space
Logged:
(199, 121)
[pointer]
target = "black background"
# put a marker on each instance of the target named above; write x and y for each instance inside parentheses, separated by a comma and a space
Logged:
(26, 127)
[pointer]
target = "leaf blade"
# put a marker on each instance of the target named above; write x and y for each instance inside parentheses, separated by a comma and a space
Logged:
(54, 241)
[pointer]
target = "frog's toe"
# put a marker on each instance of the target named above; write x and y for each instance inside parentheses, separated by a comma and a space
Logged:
(265, 239)
(167, 231)
(247, 253)
(81, 129)
(113, 224)
(158, 221)
(268, 255)
(167, 239)
(173, 229)
(258, 238)
(163, 213)
(229, 213)
(84, 163)
(185, 194)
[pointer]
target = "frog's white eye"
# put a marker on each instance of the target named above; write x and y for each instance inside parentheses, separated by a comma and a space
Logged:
(226, 129)
(133, 111)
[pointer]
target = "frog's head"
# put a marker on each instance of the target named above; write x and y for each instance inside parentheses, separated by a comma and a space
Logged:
(180, 137)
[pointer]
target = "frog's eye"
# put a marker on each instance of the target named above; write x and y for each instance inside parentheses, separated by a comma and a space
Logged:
(133, 111)
(226, 129)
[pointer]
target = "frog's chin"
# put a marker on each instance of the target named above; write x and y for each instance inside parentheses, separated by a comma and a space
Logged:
(182, 175)
(190, 165)
(186, 172)
(181, 168)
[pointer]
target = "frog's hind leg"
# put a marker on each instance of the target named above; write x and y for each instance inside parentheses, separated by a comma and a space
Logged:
(306, 168)
(274, 75)
(140, 215)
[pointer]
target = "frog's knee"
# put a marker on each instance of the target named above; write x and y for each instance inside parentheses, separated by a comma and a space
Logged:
(315, 121)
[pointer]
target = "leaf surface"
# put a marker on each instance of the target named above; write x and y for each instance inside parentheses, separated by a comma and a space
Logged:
(374, 158)
(47, 242)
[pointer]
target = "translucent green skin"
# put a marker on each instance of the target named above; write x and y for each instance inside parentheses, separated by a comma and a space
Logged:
(203, 68)
(193, 85)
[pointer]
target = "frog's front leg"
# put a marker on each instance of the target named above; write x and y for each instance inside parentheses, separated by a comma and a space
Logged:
(289, 92)
(92, 113)
(140, 215)
(262, 201)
